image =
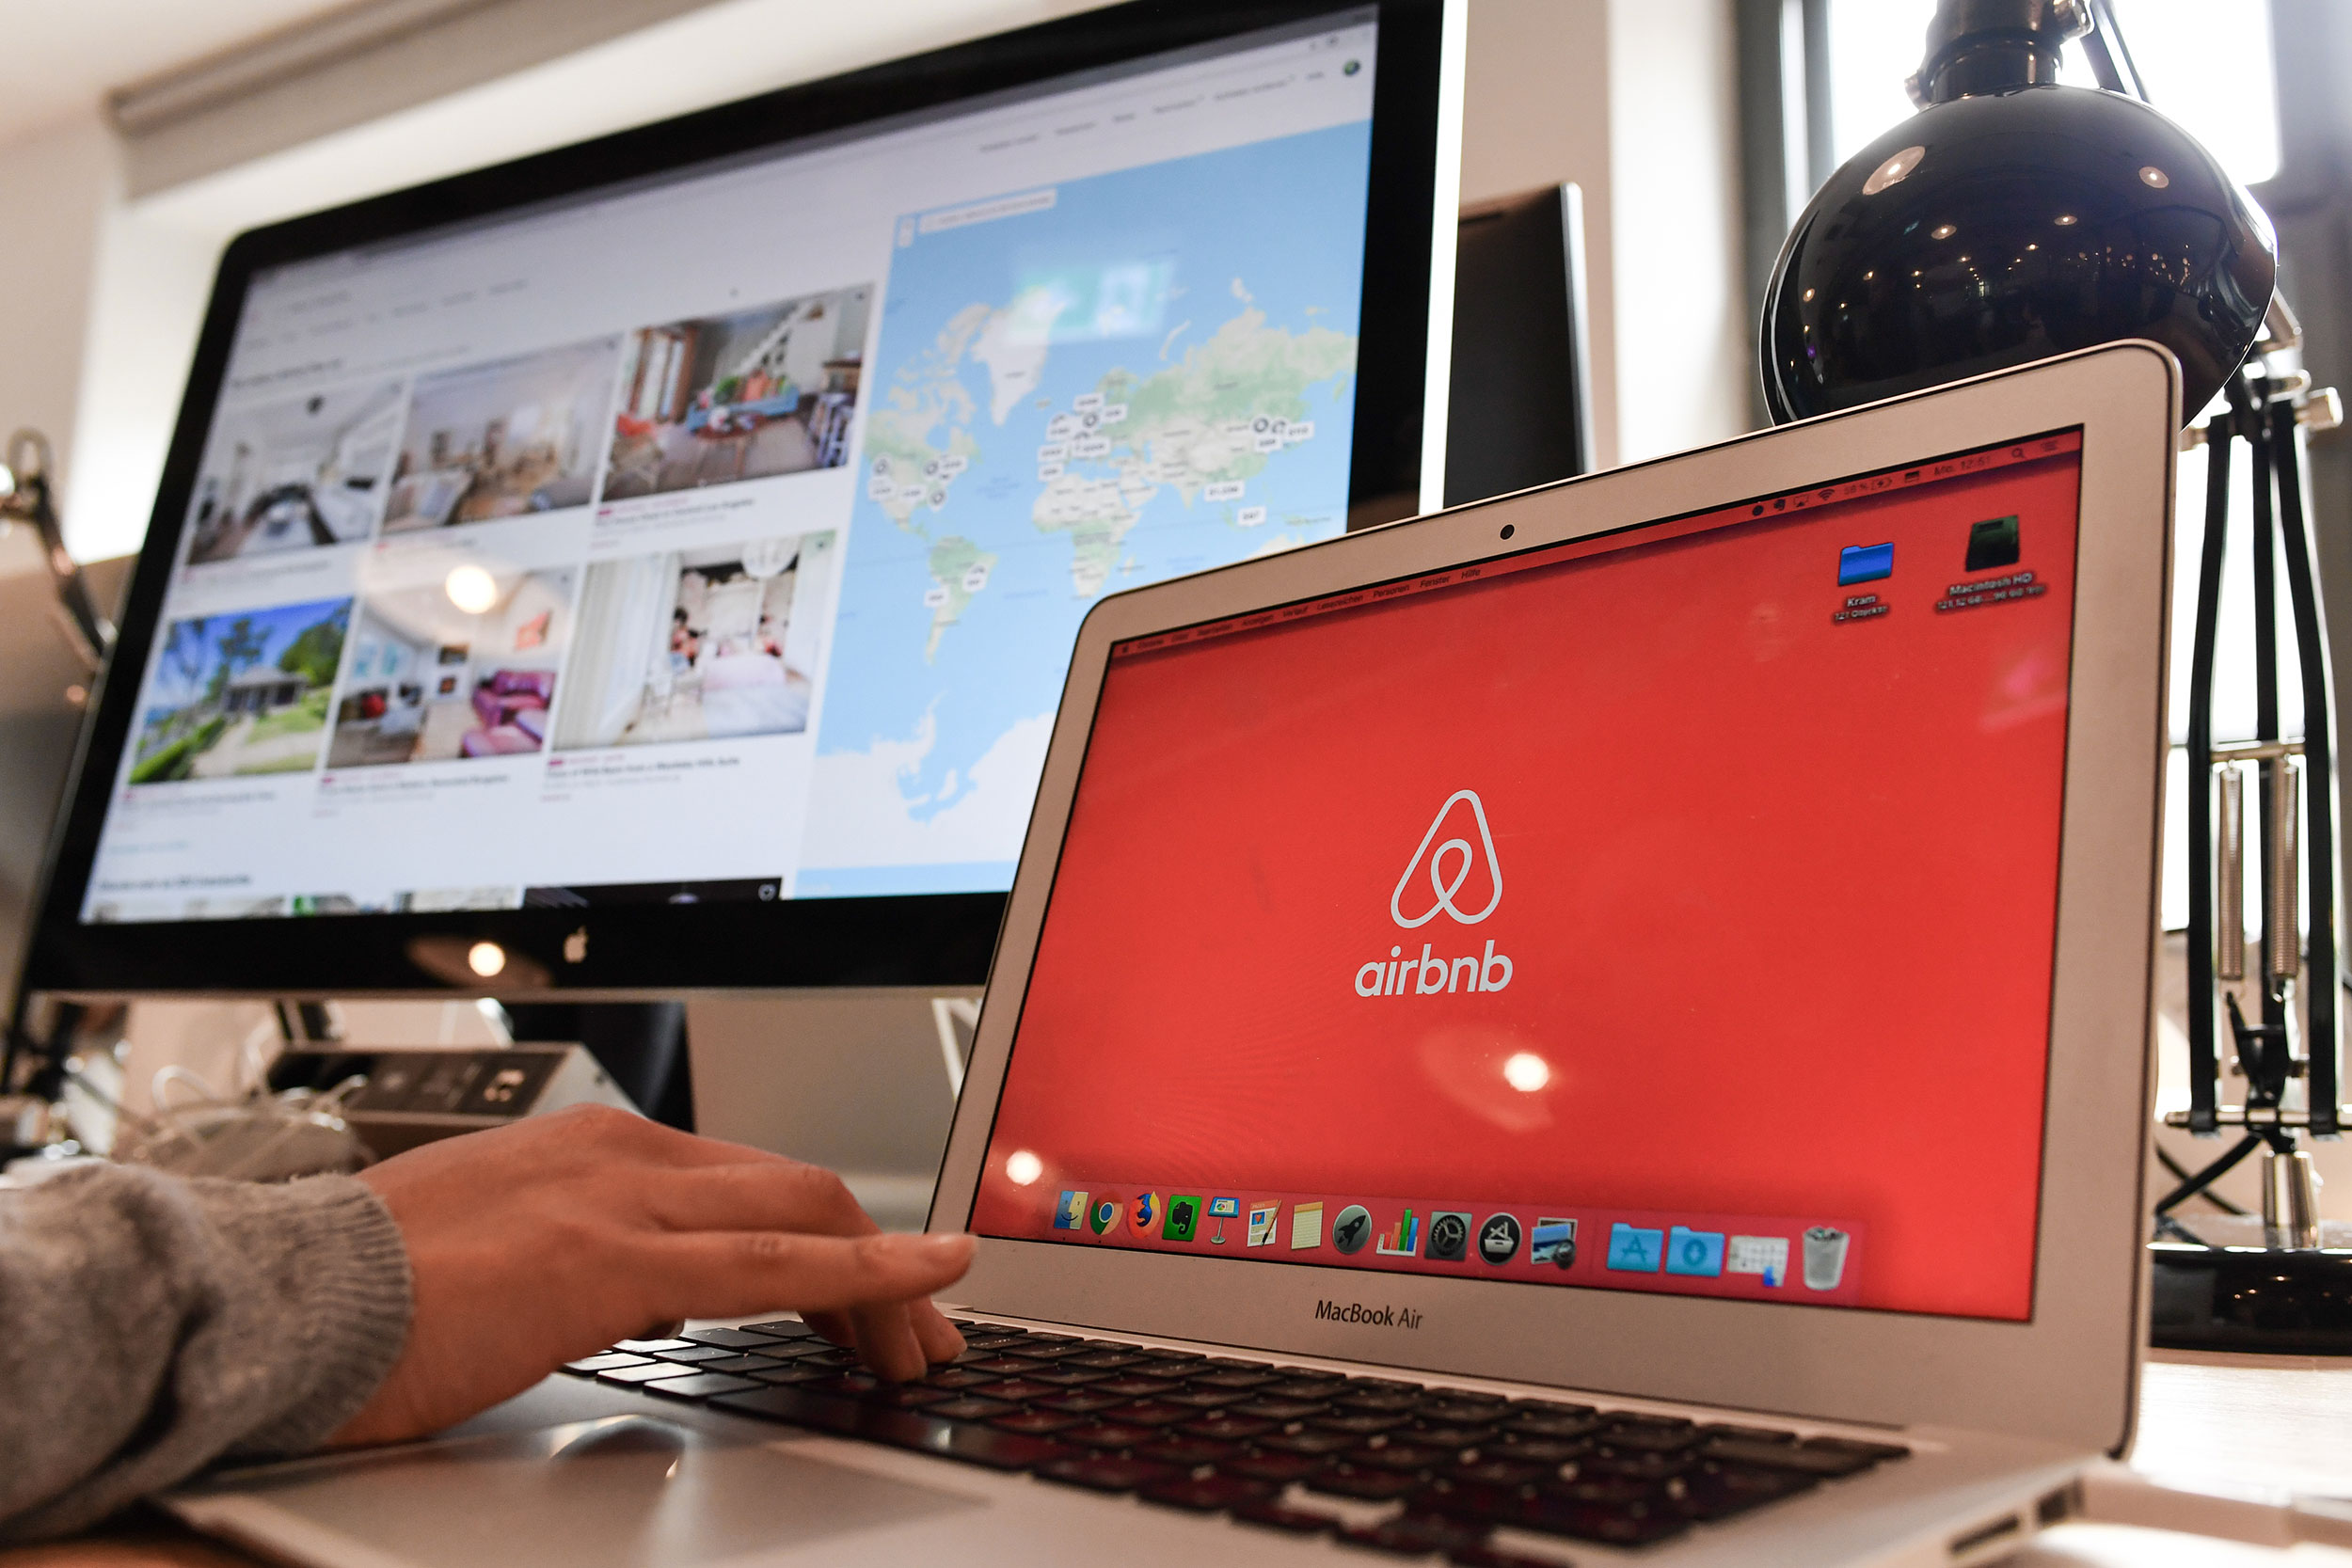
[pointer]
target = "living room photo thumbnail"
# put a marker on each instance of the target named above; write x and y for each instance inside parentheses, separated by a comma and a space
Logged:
(465, 667)
(240, 693)
(699, 644)
(293, 475)
(720, 398)
(503, 439)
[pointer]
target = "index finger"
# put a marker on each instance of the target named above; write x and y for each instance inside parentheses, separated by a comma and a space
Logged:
(730, 1273)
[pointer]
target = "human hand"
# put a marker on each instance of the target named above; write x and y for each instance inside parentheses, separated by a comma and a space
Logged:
(540, 1242)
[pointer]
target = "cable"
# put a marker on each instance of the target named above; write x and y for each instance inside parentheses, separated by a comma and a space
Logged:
(2211, 1174)
(2181, 1172)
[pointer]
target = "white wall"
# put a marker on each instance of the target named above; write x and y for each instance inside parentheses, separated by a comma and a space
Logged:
(1631, 98)
(55, 190)
(1536, 113)
(1636, 101)
(1682, 367)
(149, 283)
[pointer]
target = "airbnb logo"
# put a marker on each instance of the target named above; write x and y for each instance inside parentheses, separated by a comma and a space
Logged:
(1444, 886)
(1450, 861)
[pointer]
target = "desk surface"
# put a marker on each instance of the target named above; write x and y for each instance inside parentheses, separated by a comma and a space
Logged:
(2253, 1421)
(2248, 1423)
(2242, 1422)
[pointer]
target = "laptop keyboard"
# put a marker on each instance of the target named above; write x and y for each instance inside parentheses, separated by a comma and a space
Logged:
(1396, 1466)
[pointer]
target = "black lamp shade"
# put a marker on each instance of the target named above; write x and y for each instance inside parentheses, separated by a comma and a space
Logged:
(1986, 231)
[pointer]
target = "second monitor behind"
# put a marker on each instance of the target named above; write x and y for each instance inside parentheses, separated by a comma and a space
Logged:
(1520, 410)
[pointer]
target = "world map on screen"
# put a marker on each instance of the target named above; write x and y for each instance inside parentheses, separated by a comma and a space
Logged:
(1075, 390)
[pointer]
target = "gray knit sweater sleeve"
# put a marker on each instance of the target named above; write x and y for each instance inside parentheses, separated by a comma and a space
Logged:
(149, 1326)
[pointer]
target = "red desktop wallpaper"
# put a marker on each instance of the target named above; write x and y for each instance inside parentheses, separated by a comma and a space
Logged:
(1767, 875)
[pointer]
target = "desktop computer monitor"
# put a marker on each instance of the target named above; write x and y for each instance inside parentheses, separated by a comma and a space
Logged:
(649, 568)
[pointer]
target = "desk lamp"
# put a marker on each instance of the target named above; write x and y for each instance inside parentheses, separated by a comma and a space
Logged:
(2014, 217)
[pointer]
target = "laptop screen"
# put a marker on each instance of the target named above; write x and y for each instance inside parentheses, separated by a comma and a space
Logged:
(1671, 911)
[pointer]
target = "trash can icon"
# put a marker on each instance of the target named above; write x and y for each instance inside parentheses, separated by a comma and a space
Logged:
(1824, 1257)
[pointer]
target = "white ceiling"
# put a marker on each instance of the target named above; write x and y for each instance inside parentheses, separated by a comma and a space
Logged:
(60, 59)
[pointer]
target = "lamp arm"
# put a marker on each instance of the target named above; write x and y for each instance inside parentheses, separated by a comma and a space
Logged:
(2111, 63)
(28, 497)
(2110, 56)
(2323, 1035)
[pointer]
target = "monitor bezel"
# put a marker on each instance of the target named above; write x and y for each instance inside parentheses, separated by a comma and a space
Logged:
(621, 951)
(2070, 1373)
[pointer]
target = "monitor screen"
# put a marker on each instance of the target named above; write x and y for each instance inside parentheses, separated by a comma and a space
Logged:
(720, 535)
(1687, 925)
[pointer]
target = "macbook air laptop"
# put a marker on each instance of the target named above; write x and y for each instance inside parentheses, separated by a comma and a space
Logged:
(1606, 1025)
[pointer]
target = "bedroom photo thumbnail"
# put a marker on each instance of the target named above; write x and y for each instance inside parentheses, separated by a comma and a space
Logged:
(700, 644)
(294, 475)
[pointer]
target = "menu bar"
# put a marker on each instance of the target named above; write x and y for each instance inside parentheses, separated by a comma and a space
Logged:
(1814, 499)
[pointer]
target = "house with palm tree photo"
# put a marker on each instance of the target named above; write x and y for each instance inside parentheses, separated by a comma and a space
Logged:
(241, 693)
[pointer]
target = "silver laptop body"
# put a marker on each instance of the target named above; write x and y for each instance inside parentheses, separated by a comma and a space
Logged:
(2004, 1360)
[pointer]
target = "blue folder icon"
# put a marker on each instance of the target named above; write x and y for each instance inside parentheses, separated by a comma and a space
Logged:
(1695, 1252)
(1865, 563)
(1635, 1249)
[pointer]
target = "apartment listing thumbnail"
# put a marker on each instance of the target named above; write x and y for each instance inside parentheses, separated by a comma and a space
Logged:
(242, 693)
(758, 393)
(700, 644)
(296, 474)
(501, 439)
(432, 679)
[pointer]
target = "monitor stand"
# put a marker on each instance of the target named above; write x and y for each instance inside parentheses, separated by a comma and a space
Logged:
(862, 1082)
(640, 1045)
